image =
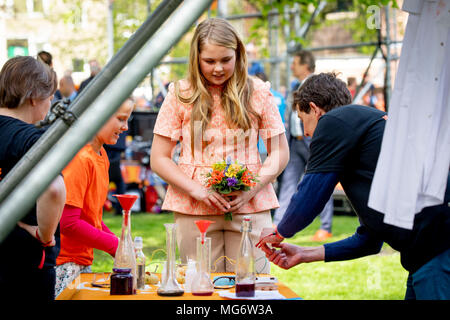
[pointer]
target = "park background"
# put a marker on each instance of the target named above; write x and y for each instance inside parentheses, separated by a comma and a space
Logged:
(360, 39)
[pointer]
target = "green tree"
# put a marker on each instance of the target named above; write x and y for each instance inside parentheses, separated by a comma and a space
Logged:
(128, 17)
(78, 25)
(357, 26)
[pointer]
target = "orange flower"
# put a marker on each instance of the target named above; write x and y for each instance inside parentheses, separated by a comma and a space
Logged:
(248, 183)
(216, 177)
(247, 179)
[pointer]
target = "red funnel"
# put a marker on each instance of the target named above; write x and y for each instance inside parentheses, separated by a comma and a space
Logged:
(126, 200)
(203, 225)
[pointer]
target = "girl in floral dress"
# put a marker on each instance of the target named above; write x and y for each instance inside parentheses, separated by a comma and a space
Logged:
(217, 113)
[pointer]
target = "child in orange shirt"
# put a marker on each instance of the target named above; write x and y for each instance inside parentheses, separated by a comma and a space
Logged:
(86, 179)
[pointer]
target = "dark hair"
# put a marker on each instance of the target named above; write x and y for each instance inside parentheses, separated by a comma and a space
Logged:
(325, 90)
(262, 76)
(306, 57)
(45, 57)
(351, 81)
(23, 78)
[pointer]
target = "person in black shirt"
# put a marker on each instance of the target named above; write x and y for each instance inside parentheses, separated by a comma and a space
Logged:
(346, 142)
(28, 254)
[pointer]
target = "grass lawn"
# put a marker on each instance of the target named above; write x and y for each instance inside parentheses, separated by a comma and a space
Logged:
(377, 277)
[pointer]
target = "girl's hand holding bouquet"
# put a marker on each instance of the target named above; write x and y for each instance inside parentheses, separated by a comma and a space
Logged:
(234, 181)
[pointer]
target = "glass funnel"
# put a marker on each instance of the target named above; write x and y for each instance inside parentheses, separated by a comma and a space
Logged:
(170, 286)
(201, 282)
(125, 256)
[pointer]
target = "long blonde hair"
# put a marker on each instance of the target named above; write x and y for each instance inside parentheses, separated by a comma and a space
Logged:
(237, 90)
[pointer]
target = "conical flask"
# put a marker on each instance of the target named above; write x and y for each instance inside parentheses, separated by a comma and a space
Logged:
(170, 286)
(125, 257)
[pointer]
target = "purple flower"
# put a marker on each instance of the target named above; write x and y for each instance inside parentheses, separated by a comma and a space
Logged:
(232, 181)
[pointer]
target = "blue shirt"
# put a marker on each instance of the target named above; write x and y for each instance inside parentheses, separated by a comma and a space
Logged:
(254, 68)
(73, 96)
(281, 103)
(306, 204)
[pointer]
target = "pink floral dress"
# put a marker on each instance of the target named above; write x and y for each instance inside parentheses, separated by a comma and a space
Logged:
(219, 143)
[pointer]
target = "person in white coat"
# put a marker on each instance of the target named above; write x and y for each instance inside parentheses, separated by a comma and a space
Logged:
(414, 161)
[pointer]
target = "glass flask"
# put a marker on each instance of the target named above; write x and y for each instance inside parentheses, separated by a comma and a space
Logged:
(170, 286)
(201, 282)
(245, 263)
(125, 256)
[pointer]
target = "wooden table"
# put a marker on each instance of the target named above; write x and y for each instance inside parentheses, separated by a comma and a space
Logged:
(81, 289)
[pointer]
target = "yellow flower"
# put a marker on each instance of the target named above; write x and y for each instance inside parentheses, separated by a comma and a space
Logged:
(233, 169)
(219, 166)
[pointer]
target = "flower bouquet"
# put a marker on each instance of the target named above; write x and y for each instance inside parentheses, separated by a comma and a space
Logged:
(226, 177)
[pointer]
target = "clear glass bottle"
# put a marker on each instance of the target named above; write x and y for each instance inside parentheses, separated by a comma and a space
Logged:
(140, 263)
(170, 286)
(245, 263)
(201, 282)
(125, 255)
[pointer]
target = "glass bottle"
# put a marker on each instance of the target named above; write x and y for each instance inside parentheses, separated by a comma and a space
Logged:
(201, 282)
(170, 286)
(140, 263)
(245, 263)
(125, 256)
(190, 273)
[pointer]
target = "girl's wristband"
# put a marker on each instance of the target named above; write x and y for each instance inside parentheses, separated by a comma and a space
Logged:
(44, 244)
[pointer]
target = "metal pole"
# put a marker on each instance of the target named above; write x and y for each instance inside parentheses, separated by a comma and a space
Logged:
(257, 15)
(291, 49)
(387, 84)
(87, 96)
(297, 19)
(110, 29)
(273, 48)
(222, 8)
(152, 73)
(305, 28)
(287, 37)
(25, 195)
(352, 45)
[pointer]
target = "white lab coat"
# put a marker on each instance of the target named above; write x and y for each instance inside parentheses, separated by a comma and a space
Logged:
(414, 161)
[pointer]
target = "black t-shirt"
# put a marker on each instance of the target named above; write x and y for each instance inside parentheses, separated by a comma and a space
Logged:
(347, 140)
(20, 249)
